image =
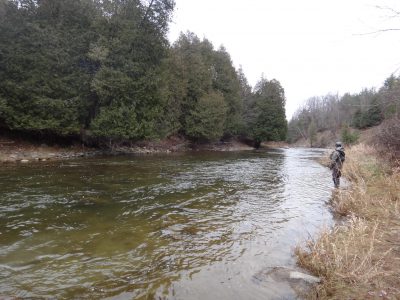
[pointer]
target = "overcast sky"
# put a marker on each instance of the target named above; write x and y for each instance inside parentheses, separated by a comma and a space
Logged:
(312, 47)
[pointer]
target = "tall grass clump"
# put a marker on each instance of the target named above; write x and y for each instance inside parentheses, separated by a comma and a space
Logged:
(359, 259)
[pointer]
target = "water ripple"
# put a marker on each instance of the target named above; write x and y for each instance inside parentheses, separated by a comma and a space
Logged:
(144, 227)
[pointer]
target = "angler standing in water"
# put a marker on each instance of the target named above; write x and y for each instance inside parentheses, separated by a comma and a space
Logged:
(337, 158)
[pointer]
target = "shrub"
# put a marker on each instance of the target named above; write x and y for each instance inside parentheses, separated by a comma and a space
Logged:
(389, 136)
(349, 137)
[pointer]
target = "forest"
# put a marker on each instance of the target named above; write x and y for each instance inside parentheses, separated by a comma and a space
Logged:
(103, 71)
(350, 113)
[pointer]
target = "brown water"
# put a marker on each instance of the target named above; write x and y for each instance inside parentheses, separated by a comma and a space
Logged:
(182, 226)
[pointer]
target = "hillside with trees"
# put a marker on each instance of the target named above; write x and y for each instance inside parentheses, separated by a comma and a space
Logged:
(104, 72)
(349, 113)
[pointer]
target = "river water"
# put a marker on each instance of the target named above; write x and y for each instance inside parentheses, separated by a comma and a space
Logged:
(179, 226)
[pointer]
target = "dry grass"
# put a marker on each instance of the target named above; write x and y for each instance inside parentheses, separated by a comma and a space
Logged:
(360, 259)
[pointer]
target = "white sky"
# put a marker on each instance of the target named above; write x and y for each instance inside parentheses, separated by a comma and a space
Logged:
(313, 47)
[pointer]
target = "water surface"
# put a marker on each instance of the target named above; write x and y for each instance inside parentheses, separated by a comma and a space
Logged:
(180, 226)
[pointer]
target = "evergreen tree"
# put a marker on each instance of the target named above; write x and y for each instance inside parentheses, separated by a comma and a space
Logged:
(130, 74)
(206, 72)
(104, 68)
(196, 74)
(44, 81)
(269, 123)
(206, 121)
(226, 81)
(247, 102)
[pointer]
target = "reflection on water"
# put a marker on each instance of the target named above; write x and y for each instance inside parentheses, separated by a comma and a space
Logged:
(185, 226)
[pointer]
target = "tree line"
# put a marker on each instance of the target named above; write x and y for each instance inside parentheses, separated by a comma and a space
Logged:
(104, 70)
(335, 113)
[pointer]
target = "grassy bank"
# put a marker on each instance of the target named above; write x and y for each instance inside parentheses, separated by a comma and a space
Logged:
(360, 258)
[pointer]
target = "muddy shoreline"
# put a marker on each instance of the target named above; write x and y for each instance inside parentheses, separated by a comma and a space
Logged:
(21, 151)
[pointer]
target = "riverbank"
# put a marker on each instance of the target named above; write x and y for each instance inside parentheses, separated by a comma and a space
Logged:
(14, 150)
(327, 138)
(359, 258)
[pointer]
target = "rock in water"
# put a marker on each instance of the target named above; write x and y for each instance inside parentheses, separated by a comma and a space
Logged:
(302, 276)
(300, 282)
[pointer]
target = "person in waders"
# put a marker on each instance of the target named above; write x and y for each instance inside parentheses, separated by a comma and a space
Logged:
(337, 159)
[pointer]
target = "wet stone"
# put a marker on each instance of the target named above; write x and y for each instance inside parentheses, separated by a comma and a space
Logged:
(297, 279)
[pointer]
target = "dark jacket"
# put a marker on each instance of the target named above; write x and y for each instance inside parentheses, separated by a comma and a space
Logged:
(337, 158)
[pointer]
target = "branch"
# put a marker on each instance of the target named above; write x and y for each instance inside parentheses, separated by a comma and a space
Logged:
(301, 133)
(378, 31)
(396, 13)
(147, 11)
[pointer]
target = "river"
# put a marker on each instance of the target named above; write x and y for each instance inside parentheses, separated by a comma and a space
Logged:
(197, 225)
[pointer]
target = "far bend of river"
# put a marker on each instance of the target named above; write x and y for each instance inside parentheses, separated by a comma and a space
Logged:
(180, 226)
